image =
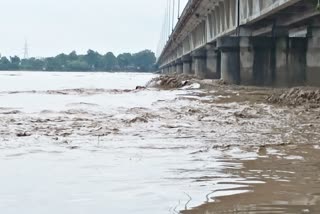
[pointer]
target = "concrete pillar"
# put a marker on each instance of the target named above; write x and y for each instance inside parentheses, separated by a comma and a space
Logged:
(187, 60)
(172, 68)
(166, 70)
(246, 61)
(264, 60)
(297, 61)
(256, 60)
(193, 67)
(230, 59)
(281, 62)
(313, 57)
(179, 66)
(213, 68)
(199, 60)
(290, 66)
(169, 69)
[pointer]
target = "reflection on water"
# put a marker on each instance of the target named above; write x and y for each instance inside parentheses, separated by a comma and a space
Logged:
(291, 183)
(80, 143)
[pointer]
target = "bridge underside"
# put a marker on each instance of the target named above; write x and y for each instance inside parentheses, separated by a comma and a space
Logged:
(252, 42)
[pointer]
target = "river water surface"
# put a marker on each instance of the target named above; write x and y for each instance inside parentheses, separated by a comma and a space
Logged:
(91, 143)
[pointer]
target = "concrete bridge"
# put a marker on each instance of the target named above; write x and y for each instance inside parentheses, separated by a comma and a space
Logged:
(250, 42)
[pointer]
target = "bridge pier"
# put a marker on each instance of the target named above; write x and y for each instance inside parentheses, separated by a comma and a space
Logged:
(213, 63)
(256, 60)
(199, 61)
(264, 60)
(230, 59)
(172, 68)
(186, 60)
(165, 70)
(313, 57)
(290, 66)
(193, 67)
(279, 61)
(169, 69)
(179, 66)
(247, 57)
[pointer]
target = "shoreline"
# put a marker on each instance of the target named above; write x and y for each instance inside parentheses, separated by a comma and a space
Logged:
(306, 96)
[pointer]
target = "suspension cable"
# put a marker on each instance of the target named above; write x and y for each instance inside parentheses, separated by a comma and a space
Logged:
(173, 13)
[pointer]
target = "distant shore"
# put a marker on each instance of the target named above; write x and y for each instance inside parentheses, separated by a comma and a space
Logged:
(143, 61)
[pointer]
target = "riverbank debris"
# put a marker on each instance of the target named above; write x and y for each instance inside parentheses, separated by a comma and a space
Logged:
(23, 134)
(170, 81)
(297, 97)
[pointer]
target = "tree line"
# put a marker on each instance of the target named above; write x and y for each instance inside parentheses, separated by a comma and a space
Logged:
(143, 61)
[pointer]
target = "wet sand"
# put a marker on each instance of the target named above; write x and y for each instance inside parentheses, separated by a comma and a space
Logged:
(214, 149)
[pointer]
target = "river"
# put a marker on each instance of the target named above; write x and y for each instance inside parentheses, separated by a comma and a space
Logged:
(92, 143)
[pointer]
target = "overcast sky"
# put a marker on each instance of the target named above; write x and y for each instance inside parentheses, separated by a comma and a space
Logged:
(56, 26)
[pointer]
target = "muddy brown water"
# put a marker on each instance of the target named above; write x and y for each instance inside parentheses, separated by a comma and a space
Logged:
(290, 183)
(92, 143)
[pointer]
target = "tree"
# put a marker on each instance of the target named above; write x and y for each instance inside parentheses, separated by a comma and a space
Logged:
(52, 65)
(32, 64)
(93, 59)
(61, 61)
(78, 65)
(15, 63)
(144, 60)
(124, 60)
(73, 56)
(109, 61)
(4, 63)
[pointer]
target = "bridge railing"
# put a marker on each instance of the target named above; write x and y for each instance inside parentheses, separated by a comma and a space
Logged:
(251, 10)
(222, 19)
